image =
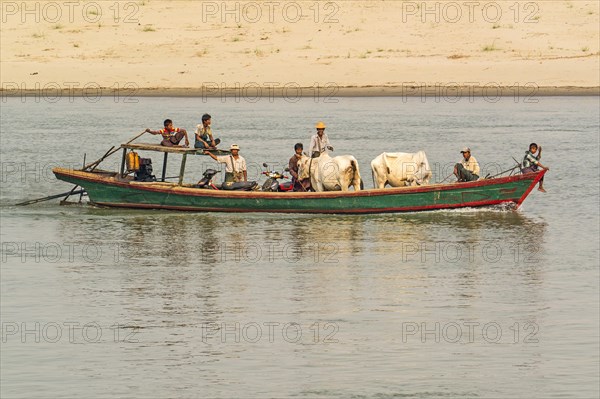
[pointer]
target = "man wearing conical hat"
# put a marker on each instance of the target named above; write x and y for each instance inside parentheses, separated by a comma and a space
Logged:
(319, 143)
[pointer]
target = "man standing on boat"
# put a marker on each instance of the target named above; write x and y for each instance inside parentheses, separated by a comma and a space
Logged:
(235, 164)
(468, 168)
(299, 185)
(319, 143)
(171, 135)
(531, 163)
(204, 135)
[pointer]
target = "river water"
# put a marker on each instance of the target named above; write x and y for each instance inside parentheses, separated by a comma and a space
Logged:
(471, 303)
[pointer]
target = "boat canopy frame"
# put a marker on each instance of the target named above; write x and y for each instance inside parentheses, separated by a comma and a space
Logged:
(184, 151)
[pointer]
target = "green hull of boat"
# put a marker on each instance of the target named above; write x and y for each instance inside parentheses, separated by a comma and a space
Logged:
(108, 191)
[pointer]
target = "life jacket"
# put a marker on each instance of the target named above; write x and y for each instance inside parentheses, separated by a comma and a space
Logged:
(167, 134)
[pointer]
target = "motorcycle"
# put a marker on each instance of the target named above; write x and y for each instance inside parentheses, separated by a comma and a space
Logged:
(272, 183)
(207, 183)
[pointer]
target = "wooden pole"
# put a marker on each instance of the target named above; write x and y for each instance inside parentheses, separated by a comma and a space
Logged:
(81, 195)
(164, 168)
(123, 159)
(100, 160)
(182, 169)
(501, 173)
(446, 178)
(518, 164)
(70, 193)
(51, 197)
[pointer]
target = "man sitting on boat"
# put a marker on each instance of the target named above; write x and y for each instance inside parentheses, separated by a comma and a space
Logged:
(531, 163)
(319, 143)
(468, 168)
(171, 135)
(235, 165)
(204, 135)
(299, 185)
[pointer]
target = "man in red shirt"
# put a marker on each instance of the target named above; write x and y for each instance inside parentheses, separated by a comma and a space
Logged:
(171, 135)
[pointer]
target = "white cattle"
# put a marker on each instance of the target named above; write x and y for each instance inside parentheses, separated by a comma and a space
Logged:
(330, 174)
(400, 169)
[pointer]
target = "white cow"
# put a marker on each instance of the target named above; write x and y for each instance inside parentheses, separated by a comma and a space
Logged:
(400, 169)
(330, 174)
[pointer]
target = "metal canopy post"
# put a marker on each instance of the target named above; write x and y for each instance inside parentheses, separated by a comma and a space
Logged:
(123, 162)
(182, 169)
(164, 168)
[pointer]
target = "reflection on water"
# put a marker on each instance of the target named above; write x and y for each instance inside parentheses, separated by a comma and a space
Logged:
(179, 256)
(174, 274)
(194, 237)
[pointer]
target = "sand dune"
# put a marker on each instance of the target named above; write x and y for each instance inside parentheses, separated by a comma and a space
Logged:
(367, 46)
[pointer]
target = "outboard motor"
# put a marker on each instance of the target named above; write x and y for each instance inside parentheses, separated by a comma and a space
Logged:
(145, 171)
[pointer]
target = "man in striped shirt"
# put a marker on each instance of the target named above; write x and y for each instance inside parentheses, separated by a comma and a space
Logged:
(172, 136)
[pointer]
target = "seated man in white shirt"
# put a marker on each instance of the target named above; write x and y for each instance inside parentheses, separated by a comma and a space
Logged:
(468, 168)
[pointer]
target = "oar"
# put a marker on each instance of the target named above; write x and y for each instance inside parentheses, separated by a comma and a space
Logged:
(446, 178)
(517, 162)
(501, 173)
(71, 192)
(93, 165)
(51, 197)
(84, 157)
(110, 152)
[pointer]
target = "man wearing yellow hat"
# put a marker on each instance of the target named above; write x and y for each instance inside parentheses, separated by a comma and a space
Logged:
(319, 143)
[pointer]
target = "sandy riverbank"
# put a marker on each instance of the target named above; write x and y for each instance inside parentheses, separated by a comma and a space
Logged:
(366, 47)
(447, 92)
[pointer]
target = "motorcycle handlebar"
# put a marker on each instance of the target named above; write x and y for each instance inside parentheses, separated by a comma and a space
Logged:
(276, 175)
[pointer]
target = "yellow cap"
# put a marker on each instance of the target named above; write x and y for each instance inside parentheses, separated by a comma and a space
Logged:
(320, 125)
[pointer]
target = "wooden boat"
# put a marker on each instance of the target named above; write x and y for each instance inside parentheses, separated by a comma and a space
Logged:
(117, 189)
